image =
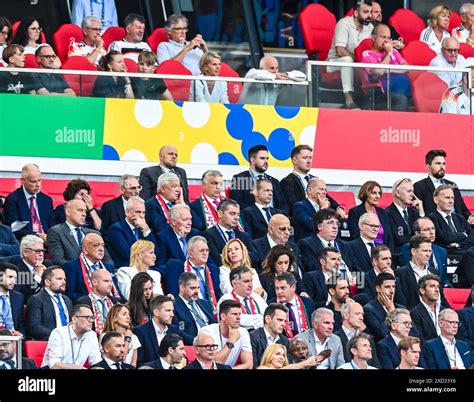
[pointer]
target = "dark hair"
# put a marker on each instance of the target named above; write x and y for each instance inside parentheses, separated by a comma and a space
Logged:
(272, 308)
(21, 37)
(73, 187)
(187, 277)
(49, 272)
(332, 281)
(252, 152)
(297, 150)
(226, 305)
(7, 265)
(321, 216)
(268, 264)
(323, 253)
(169, 341)
(417, 240)
(374, 254)
(236, 273)
(416, 224)
(107, 59)
(433, 153)
(424, 279)
(382, 277)
(286, 276)
(138, 306)
(261, 181)
(131, 18)
(10, 51)
(158, 301)
(76, 309)
(366, 188)
(357, 4)
(224, 204)
(108, 336)
(4, 22)
(352, 344)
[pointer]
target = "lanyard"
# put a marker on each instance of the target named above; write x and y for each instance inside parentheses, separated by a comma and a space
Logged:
(74, 358)
(103, 9)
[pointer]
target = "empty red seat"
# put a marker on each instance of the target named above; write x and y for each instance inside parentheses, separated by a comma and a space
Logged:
(179, 89)
(157, 36)
(386, 200)
(132, 67)
(466, 50)
(195, 191)
(454, 21)
(30, 61)
(112, 34)
(428, 90)
(407, 24)
(457, 298)
(468, 199)
(82, 85)
(234, 89)
(344, 198)
(190, 353)
(418, 53)
(35, 350)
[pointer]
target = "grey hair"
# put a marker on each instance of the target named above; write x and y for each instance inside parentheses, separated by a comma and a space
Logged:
(392, 316)
(29, 241)
(87, 22)
(443, 187)
(465, 8)
(318, 313)
(173, 20)
(132, 200)
(207, 173)
(443, 42)
(166, 178)
(363, 218)
(193, 240)
(187, 277)
(174, 210)
(25, 169)
(445, 312)
(124, 178)
(346, 309)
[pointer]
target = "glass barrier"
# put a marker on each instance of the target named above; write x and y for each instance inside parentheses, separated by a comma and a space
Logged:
(390, 87)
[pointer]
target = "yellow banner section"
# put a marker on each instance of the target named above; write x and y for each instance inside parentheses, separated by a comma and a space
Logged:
(205, 133)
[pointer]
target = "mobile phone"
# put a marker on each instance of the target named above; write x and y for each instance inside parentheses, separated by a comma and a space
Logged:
(326, 353)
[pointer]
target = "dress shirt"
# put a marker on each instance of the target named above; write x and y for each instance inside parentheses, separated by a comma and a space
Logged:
(453, 353)
(199, 310)
(56, 308)
(159, 333)
(145, 234)
(260, 208)
(249, 320)
(436, 182)
(270, 339)
(395, 339)
(433, 315)
(35, 276)
(319, 348)
(419, 273)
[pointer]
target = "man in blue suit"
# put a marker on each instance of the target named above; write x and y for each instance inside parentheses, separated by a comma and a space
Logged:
(9, 245)
(121, 235)
(190, 312)
(466, 325)
(29, 204)
(151, 334)
(11, 302)
(171, 353)
(172, 241)
(446, 352)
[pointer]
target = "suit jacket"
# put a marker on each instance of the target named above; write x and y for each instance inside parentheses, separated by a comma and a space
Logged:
(315, 285)
(26, 289)
(466, 326)
(245, 197)
(8, 243)
(361, 254)
(309, 307)
(424, 190)
(26, 364)
(464, 271)
(63, 247)
(374, 317)
(259, 343)
(374, 362)
(169, 247)
(216, 242)
(17, 208)
(356, 212)
(16, 306)
(444, 236)
(155, 217)
(103, 364)
(112, 211)
(423, 322)
(75, 286)
(41, 315)
(195, 365)
(184, 319)
(171, 271)
(388, 353)
(87, 300)
(294, 192)
(401, 232)
(369, 288)
(149, 180)
(255, 224)
(334, 343)
(119, 239)
(435, 357)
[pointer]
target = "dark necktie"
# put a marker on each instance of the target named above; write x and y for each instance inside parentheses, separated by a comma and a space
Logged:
(405, 218)
(230, 234)
(118, 365)
(103, 305)
(62, 313)
(292, 319)
(246, 305)
(307, 178)
(199, 319)
(202, 281)
(449, 218)
(172, 368)
(330, 244)
(371, 245)
(135, 233)
(79, 236)
(260, 176)
(267, 213)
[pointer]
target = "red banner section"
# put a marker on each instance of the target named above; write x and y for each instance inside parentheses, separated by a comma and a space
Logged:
(391, 141)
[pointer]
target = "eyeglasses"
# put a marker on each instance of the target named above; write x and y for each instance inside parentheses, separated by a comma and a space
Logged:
(407, 324)
(333, 222)
(36, 251)
(208, 347)
(4, 33)
(48, 56)
(139, 188)
(408, 180)
(450, 50)
(89, 318)
(373, 227)
(180, 29)
(285, 228)
(36, 29)
(95, 29)
(455, 323)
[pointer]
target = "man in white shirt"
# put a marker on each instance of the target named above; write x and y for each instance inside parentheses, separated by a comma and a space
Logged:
(92, 45)
(69, 347)
(449, 58)
(361, 351)
(459, 99)
(369, 225)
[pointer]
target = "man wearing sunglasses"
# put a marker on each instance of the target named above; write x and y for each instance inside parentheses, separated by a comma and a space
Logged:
(449, 58)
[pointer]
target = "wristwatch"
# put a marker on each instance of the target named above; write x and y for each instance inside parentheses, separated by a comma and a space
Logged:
(230, 345)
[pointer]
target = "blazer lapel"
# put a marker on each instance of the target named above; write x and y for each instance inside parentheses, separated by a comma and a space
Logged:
(70, 237)
(175, 244)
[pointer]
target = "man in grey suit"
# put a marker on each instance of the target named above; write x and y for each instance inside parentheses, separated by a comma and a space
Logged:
(320, 338)
(65, 240)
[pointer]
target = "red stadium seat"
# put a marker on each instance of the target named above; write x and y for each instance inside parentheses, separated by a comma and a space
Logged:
(179, 89)
(156, 37)
(418, 53)
(195, 191)
(344, 198)
(35, 350)
(407, 24)
(350, 13)
(454, 21)
(81, 85)
(428, 90)
(30, 61)
(466, 50)
(386, 200)
(112, 34)
(468, 199)
(132, 67)
(7, 185)
(457, 298)
(64, 37)
(190, 353)
(234, 89)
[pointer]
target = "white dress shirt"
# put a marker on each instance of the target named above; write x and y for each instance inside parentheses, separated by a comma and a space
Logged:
(159, 333)
(35, 276)
(453, 353)
(433, 315)
(56, 308)
(270, 339)
(319, 348)
(260, 208)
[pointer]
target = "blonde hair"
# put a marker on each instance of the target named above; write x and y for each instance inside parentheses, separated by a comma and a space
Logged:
(245, 255)
(434, 14)
(206, 59)
(137, 249)
(270, 353)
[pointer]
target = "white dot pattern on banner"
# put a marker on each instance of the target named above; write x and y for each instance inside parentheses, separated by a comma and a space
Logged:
(308, 135)
(134, 155)
(204, 153)
(148, 113)
(196, 114)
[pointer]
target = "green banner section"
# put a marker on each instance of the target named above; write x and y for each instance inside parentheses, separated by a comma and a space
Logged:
(51, 126)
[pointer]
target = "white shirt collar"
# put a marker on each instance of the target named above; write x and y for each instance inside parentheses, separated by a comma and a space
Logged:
(268, 336)
(159, 331)
(30, 267)
(270, 241)
(447, 342)
(111, 363)
(28, 195)
(397, 340)
(165, 364)
(400, 209)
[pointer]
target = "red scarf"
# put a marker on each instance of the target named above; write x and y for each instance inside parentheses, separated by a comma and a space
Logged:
(87, 275)
(99, 322)
(302, 314)
(253, 306)
(211, 294)
(210, 213)
(164, 207)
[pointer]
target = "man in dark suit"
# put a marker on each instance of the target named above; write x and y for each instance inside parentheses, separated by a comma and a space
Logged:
(11, 301)
(9, 245)
(8, 360)
(79, 271)
(113, 211)
(29, 204)
(466, 325)
(257, 216)
(274, 320)
(172, 241)
(49, 308)
(157, 208)
(446, 352)
(226, 229)
(244, 183)
(326, 227)
(121, 235)
(113, 353)
(205, 354)
(190, 312)
(171, 353)
(149, 176)
(151, 333)
(64, 241)
(436, 164)
(403, 212)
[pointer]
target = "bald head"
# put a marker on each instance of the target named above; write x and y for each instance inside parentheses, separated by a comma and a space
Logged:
(279, 229)
(76, 212)
(31, 178)
(168, 156)
(101, 282)
(93, 247)
(269, 63)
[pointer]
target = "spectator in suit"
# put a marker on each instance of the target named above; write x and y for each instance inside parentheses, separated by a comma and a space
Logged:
(11, 312)
(152, 333)
(435, 161)
(122, 235)
(252, 304)
(300, 307)
(172, 240)
(409, 350)
(171, 354)
(370, 194)
(244, 183)
(360, 349)
(227, 228)
(113, 211)
(439, 257)
(316, 198)
(142, 258)
(204, 209)
(231, 339)
(50, 308)
(79, 271)
(149, 176)
(78, 189)
(205, 354)
(257, 216)
(191, 312)
(157, 208)
(326, 227)
(446, 352)
(405, 209)
(425, 314)
(235, 254)
(466, 325)
(141, 293)
(321, 337)
(8, 355)
(65, 240)
(9, 245)
(29, 204)
(113, 353)
(399, 323)
(339, 292)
